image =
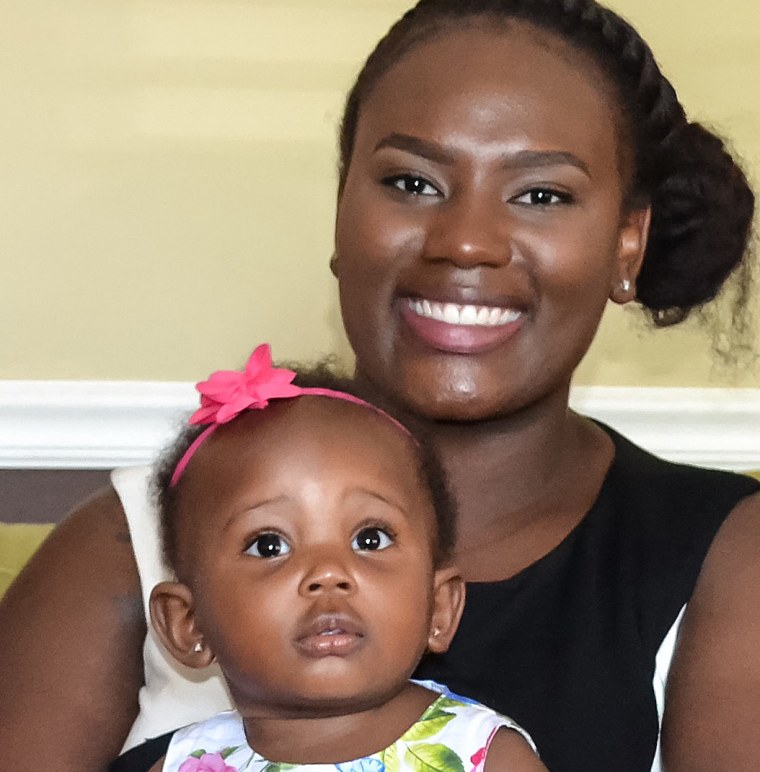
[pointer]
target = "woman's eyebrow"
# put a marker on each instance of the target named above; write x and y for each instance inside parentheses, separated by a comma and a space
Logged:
(417, 146)
(529, 159)
(521, 159)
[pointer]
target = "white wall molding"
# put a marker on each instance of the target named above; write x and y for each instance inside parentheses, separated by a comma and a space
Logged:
(88, 424)
(103, 424)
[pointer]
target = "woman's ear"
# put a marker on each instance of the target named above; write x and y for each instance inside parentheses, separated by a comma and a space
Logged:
(632, 244)
(173, 616)
(448, 604)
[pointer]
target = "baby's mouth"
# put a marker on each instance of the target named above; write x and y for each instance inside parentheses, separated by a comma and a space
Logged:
(330, 635)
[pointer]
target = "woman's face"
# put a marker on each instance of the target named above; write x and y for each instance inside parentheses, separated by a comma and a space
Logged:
(481, 229)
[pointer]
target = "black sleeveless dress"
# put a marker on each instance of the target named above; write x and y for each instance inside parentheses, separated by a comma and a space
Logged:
(567, 647)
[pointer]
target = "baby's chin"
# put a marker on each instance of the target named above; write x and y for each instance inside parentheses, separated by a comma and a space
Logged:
(322, 701)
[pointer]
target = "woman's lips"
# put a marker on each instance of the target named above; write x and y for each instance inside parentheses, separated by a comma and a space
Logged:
(460, 328)
(330, 635)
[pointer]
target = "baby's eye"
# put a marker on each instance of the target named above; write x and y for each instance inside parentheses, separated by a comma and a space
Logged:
(372, 539)
(411, 184)
(543, 197)
(268, 545)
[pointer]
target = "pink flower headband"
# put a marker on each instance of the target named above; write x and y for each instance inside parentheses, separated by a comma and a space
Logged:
(227, 393)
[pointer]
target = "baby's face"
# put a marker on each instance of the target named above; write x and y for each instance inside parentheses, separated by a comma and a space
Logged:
(306, 537)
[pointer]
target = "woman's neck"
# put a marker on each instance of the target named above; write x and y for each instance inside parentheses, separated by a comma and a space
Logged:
(521, 483)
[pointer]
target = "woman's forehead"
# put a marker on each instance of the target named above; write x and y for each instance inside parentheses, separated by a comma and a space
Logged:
(516, 84)
(518, 57)
(494, 86)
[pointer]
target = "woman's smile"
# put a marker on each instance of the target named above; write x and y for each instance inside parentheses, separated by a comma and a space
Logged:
(457, 328)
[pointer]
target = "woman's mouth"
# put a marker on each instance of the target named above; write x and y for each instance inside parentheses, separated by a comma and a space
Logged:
(460, 328)
(464, 315)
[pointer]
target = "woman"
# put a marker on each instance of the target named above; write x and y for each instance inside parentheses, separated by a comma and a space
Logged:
(507, 167)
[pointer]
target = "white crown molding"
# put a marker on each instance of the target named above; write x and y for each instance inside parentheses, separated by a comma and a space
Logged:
(104, 424)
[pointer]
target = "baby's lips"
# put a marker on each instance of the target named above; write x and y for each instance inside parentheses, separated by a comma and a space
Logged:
(325, 623)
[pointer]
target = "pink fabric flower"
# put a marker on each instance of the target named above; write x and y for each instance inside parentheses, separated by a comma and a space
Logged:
(228, 392)
(208, 762)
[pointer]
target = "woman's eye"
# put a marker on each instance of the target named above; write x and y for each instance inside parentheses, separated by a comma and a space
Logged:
(543, 197)
(414, 186)
(371, 539)
(268, 545)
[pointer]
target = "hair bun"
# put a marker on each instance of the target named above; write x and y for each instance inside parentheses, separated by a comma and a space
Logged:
(702, 212)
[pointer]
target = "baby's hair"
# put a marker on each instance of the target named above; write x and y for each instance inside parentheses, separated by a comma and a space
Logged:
(702, 205)
(321, 375)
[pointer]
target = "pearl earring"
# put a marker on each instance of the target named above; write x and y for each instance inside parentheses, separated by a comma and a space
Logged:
(626, 285)
(198, 648)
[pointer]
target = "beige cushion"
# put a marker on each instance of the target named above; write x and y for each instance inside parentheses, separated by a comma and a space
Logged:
(18, 542)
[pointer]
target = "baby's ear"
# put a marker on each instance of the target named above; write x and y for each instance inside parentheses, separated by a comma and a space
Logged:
(448, 604)
(173, 616)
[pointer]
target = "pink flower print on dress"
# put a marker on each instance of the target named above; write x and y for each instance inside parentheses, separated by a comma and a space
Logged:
(208, 762)
(479, 758)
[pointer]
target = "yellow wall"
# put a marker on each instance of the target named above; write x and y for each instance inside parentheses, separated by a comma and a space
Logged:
(167, 179)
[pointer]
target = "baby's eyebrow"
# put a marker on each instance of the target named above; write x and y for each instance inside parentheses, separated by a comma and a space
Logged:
(240, 512)
(380, 497)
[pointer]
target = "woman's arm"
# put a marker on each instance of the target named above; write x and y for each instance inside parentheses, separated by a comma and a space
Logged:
(712, 699)
(71, 635)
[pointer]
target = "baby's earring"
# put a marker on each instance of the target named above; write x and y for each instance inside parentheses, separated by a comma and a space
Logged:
(199, 648)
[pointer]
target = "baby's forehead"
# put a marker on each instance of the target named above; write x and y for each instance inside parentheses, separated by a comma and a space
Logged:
(322, 419)
(310, 440)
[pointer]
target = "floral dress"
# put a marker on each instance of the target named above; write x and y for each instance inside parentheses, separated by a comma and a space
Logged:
(452, 735)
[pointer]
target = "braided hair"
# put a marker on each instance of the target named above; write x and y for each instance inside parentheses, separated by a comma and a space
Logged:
(702, 205)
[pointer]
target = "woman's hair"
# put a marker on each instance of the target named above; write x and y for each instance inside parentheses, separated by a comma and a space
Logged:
(321, 375)
(702, 205)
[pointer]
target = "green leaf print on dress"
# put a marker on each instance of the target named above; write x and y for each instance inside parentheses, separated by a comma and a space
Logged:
(452, 735)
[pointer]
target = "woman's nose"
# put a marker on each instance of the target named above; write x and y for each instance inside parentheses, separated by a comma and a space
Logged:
(327, 573)
(470, 231)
